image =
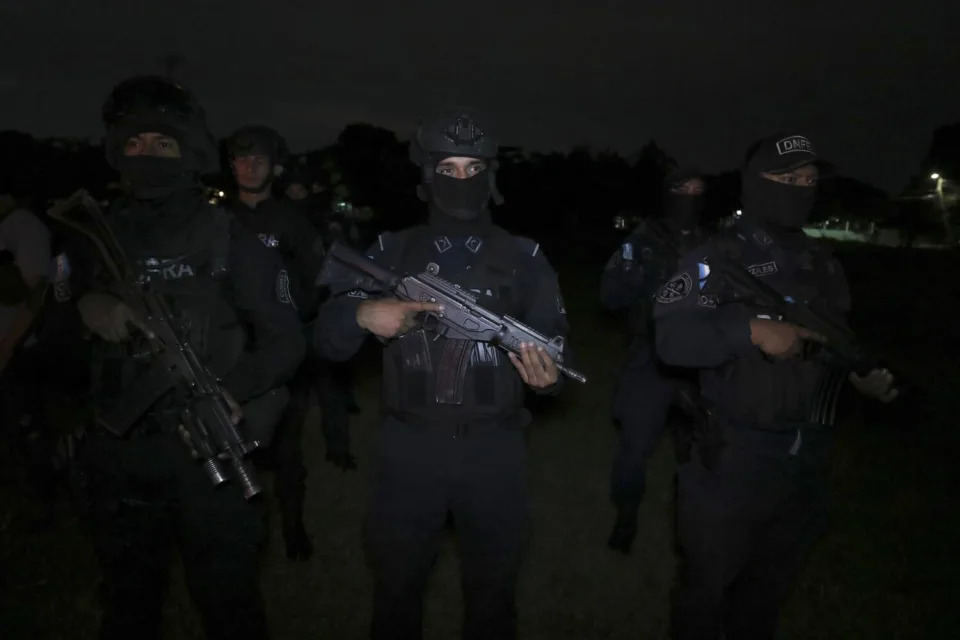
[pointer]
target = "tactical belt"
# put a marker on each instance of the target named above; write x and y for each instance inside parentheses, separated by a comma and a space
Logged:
(460, 428)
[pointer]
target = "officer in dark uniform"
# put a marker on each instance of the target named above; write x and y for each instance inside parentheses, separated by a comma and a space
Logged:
(453, 437)
(147, 492)
(751, 498)
(257, 155)
(646, 388)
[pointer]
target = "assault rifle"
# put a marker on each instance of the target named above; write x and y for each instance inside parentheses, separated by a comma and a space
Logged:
(734, 283)
(461, 318)
(204, 408)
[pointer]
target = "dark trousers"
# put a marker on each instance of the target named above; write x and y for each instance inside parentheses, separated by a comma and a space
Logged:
(424, 473)
(331, 385)
(148, 497)
(744, 529)
(642, 399)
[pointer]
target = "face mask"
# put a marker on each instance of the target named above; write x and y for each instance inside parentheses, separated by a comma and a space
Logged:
(784, 205)
(461, 199)
(151, 177)
(683, 210)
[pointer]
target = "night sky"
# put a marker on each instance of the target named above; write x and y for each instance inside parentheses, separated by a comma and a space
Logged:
(868, 81)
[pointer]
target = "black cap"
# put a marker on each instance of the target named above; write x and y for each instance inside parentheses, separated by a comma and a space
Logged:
(781, 153)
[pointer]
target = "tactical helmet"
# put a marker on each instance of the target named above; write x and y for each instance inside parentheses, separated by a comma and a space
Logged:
(257, 140)
(154, 103)
(453, 133)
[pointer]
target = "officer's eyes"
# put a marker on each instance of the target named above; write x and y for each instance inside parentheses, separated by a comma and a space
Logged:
(474, 169)
(445, 171)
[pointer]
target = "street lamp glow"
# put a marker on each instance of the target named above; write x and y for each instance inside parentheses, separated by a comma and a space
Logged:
(738, 213)
(934, 176)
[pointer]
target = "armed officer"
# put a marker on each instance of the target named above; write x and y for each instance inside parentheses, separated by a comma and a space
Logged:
(646, 388)
(257, 155)
(146, 490)
(453, 437)
(751, 499)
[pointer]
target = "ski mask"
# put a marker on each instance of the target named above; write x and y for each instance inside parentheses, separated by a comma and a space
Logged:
(152, 177)
(464, 199)
(783, 205)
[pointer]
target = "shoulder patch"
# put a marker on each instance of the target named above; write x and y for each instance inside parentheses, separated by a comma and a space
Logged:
(762, 238)
(675, 290)
(764, 269)
(283, 287)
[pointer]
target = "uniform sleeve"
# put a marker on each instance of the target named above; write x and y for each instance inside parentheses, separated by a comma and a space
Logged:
(337, 335)
(28, 239)
(624, 281)
(278, 345)
(691, 329)
(307, 245)
(546, 311)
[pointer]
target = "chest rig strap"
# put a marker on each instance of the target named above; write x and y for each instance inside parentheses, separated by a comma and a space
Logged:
(492, 260)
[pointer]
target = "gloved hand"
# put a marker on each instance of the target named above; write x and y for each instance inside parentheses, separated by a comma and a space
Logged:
(344, 460)
(107, 316)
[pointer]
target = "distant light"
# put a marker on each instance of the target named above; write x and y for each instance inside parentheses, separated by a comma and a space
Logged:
(738, 213)
(220, 193)
(934, 176)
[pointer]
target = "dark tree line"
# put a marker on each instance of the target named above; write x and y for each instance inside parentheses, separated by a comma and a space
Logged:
(559, 195)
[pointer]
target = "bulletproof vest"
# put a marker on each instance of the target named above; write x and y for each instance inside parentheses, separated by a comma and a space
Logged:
(431, 378)
(270, 223)
(658, 265)
(188, 267)
(777, 394)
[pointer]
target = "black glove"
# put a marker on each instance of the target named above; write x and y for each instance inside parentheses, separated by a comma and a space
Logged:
(342, 459)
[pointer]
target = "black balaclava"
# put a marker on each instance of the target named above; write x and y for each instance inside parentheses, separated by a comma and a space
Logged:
(785, 206)
(459, 205)
(782, 205)
(152, 177)
(681, 211)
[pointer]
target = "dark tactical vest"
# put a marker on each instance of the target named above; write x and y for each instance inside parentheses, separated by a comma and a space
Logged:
(434, 379)
(658, 265)
(187, 266)
(270, 222)
(758, 391)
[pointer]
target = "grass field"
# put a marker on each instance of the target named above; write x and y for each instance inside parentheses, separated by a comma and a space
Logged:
(887, 569)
